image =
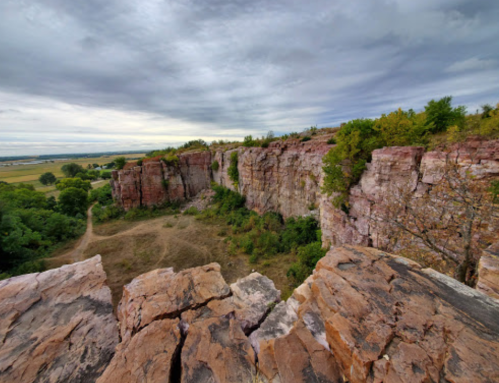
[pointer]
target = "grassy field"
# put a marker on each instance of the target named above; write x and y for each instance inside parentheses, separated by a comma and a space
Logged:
(30, 173)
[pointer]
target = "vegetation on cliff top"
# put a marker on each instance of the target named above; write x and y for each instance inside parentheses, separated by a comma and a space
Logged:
(357, 139)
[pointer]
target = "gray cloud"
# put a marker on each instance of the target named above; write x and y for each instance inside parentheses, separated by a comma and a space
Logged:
(232, 68)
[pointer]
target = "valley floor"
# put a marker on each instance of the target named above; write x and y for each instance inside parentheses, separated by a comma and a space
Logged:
(129, 249)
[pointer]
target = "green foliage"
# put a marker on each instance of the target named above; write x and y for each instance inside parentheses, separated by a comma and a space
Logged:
(120, 162)
(440, 115)
(105, 213)
(165, 183)
(73, 183)
(306, 138)
(308, 256)
(30, 227)
(105, 175)
(171, 160)
(494, 190)
(143, 212)
(260, 236)
(249, 142)
(73, 201)
(102, 195)
(47, 178)
(215, 165)
(71, 170)
(193, 210)
(139, 162)
(232, 171)
(331, 141)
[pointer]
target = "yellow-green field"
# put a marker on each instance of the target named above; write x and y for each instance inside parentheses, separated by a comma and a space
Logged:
(31, 173)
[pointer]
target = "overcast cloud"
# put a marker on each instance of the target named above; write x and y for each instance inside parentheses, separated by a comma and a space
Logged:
(95, 75)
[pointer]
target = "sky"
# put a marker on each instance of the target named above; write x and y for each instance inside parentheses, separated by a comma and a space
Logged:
(93, 75)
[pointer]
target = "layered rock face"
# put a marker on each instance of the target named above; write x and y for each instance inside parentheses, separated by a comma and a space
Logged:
(57, 326)
(155, 182)
(363, 316)
(286, 177)
(406, 168)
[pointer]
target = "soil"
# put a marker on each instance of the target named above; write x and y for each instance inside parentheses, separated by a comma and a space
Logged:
(129, 249)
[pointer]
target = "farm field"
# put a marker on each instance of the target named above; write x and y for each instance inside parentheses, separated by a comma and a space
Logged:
(30, 173)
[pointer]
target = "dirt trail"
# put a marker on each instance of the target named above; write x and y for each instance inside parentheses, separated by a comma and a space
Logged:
(76, 254)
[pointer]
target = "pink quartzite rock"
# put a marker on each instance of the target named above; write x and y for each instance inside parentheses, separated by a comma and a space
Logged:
(57, 326)
(488, 272)
(163, 294)
(148, 357)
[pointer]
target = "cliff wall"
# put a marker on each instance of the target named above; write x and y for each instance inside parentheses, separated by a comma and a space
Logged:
(287, 176)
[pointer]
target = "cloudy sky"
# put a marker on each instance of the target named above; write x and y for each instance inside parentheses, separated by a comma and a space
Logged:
(93, 75)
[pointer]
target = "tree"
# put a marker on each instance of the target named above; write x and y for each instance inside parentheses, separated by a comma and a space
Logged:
(71, 169)
(95, 165)
(120, 162)
(74, 183)
(446, 226)
(105, 175)
(440, 114)
(73, 201)
(47, 178)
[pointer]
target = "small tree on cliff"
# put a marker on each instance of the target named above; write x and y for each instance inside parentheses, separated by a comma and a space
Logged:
(447, 226)
(120, 162)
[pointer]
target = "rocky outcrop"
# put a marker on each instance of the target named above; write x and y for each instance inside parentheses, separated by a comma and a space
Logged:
(488, 272)
(363, 316)
(57, 326)
(401, 168)
(189, 326)
(156, 182)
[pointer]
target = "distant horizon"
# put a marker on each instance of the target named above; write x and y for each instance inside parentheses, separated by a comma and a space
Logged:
(140, 75)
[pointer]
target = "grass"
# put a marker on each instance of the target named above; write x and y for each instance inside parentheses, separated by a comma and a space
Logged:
(31, 173)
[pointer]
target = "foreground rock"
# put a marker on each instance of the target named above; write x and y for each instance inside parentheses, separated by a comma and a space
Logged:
(363, 316)
(371, 317)
(57, 326)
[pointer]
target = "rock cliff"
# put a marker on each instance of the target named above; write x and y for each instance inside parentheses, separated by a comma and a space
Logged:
(286, 177)
(363, 316)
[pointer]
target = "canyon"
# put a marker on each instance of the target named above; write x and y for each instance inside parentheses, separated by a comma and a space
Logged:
(364, 315)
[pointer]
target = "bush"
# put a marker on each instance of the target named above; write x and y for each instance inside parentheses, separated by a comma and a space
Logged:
(171, 160)
(105, 213)
(105, 175)
(215, 165)
(305, 139)
(249, 142)
(232, 171)
(193, 210)
(331, 141)
(308, 256)
(103, 195)
(139, 162)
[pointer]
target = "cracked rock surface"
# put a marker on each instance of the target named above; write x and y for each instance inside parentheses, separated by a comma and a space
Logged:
(363, 316)
(57, 326)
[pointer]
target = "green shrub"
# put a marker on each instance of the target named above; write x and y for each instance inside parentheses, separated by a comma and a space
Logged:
(331, 141)
(103, 195)
(215, 165)
(139, 162)
(308, 256)
(193, 210)
(165, 183)
(306, 138)
(232, 171)
(249, 142)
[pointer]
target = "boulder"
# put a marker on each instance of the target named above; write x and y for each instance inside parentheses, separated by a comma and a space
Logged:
(57, 326)
(162, 294)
